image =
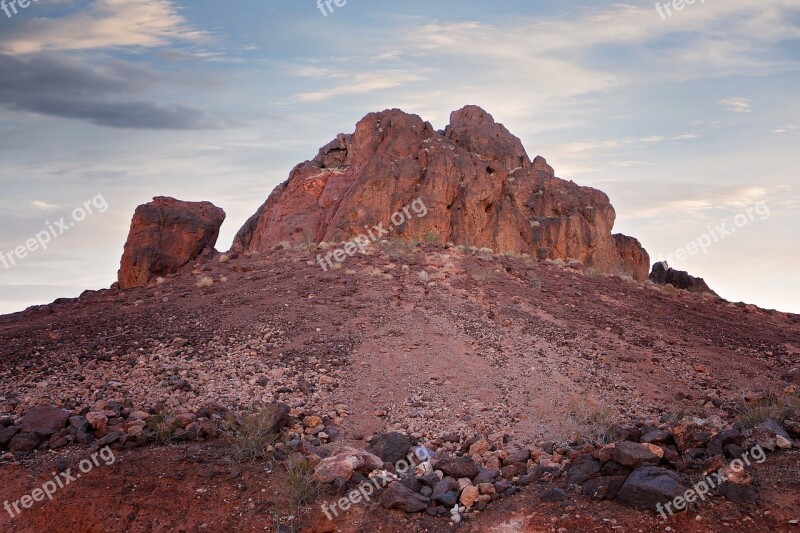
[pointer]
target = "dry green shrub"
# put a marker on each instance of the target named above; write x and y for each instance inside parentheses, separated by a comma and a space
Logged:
(592, 419)
(775, 405)
(205, 282)
(250, 435)
(163, 426)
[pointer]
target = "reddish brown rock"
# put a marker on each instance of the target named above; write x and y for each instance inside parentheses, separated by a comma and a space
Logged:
(475, 179)
(165, 235)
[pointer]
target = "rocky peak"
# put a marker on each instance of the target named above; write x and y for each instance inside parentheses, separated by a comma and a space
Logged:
(475, 130)
(475, 178)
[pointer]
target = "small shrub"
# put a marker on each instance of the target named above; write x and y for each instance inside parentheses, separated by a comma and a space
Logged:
(774, 405)
(592, 419)
(163, 426)
(431, 237)
(300, 481)
(205, 282)
(308, 240)
(224, 258)
(251, 435)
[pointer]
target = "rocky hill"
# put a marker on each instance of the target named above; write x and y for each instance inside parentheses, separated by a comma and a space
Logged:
(501, 338)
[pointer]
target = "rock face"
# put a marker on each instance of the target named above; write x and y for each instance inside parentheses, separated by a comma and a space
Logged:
(165, 235)
(664, 275)
(477, 183)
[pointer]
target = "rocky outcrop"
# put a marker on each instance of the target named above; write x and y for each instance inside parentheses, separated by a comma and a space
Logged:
(477, 182)
(662, 274)
(165, 235)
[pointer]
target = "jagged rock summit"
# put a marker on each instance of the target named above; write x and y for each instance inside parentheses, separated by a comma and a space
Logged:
(475, 178)
(663, 274)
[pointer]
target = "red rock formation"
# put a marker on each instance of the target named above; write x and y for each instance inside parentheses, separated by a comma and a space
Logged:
(165, 235)
(475, 178)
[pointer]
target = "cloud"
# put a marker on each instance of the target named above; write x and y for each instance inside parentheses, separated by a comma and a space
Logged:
(785, 129)
(39, 204)
(103, 24)
(360, 83)
(736, 104)
(55, 85)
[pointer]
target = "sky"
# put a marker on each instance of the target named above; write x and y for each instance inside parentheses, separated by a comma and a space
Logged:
(688, 119)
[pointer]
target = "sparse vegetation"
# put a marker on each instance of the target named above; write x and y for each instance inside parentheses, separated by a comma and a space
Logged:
(775, 405)
(250, 435)
(308, 241)
(163, 426)
(432, 237)
(592, 419)
(300, 482)
(224, 258)
(205, 282)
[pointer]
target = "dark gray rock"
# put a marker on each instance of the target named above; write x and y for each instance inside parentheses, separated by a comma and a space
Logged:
(741, 494)
(603, 488)
(520, 456)
(582, 468)
(458, 467)
(397, 496)
(534, 474)
(486, 476)
(554, 494)
(647, 486)
(6, 434)
(390, 447)
(24, 443)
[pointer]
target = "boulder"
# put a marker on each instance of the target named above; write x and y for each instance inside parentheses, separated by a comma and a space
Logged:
(24, 443)
(397, 496)
(165, 235)
(471, 184)
(6, 434)
(342, 465)
(390, 447)
(603, 488)
(44, 421)
(582, 468)
(647, 486)
(633, 454)
(459, 467)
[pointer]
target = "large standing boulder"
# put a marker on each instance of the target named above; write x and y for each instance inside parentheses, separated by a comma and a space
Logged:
(477, 184)
(165, 235)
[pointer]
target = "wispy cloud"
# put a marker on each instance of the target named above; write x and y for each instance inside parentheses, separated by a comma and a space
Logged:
(736, 104)
(103, 24)
(785, 129)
